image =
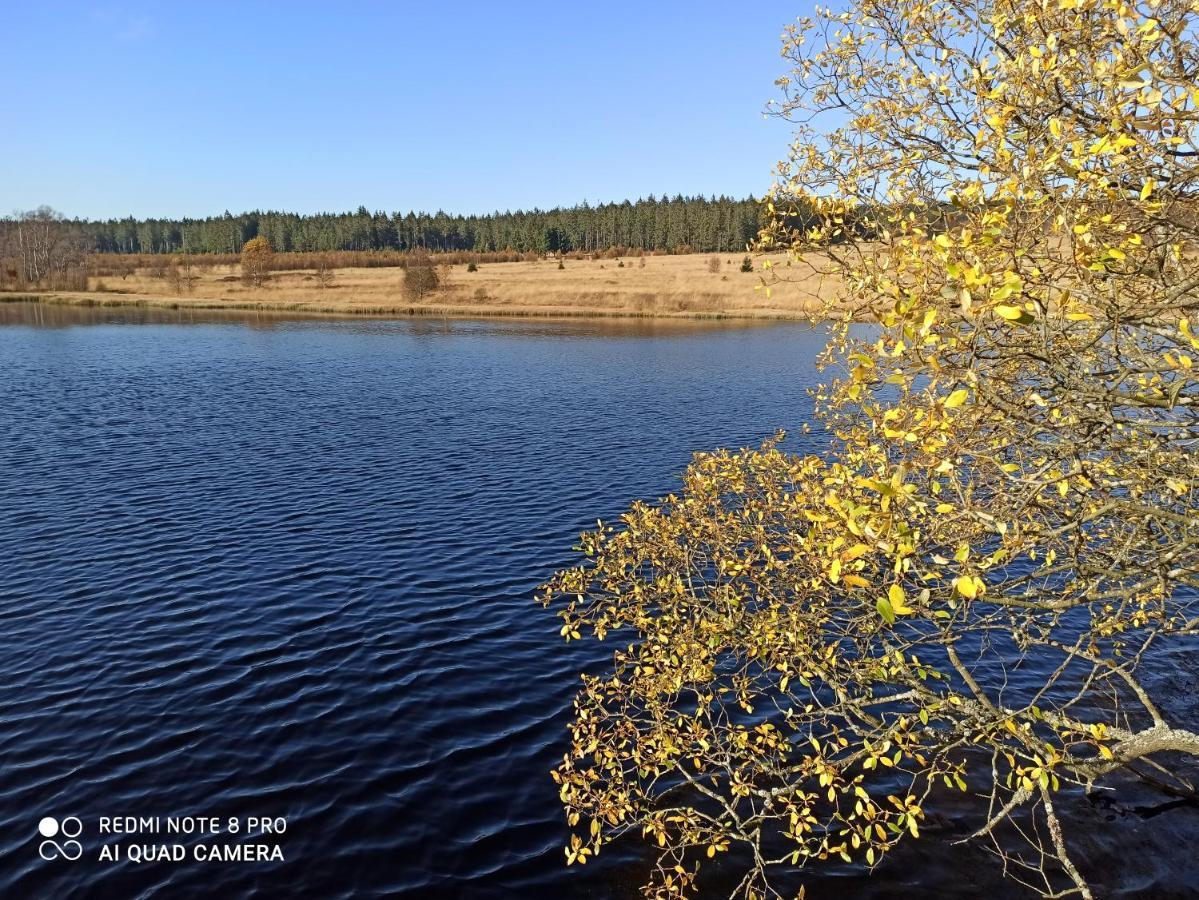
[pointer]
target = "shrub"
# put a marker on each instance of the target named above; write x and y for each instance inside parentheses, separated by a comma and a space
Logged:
(747, 265)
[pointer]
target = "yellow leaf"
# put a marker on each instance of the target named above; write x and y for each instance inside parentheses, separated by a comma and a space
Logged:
(957, 398)
(1011, 313)
(965, 586)
(898, 601)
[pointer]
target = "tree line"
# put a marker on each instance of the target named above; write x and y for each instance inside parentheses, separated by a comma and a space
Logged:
(699, 224)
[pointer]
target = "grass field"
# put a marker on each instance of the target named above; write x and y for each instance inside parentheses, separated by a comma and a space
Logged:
(659, 286)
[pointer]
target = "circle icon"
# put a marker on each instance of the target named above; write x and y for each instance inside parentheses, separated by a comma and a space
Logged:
(70, 828)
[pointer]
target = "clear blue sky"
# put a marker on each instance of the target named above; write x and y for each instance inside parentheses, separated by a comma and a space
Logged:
(166, 109)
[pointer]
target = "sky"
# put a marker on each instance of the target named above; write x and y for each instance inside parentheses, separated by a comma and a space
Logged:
(165, 109)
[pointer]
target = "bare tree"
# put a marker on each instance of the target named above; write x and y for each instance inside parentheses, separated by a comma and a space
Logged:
(420, 276)
(172, 276)
(187, 274)
(323, 271)
(44, 249)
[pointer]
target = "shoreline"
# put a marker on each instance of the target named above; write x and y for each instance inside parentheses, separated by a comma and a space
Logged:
(402, 310)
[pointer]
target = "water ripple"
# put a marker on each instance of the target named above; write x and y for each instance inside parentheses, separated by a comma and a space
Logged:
(287, 570)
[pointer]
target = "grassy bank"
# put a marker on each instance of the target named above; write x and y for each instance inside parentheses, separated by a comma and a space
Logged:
(689, 286)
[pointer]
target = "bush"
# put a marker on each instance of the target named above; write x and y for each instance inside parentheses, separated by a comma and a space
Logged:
(471, 266)
(747, 265)
(714, 264)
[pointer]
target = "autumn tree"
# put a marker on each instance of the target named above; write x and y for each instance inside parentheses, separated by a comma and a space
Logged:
(256, 260)
(976, 588)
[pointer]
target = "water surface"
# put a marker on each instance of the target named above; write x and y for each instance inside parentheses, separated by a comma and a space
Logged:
(255, 565)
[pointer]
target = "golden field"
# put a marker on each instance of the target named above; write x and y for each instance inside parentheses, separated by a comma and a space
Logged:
(653, 286)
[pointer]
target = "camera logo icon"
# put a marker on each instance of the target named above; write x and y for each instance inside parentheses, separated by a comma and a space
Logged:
(69, 829)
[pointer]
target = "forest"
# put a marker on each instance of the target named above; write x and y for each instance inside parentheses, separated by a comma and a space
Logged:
(678, 224)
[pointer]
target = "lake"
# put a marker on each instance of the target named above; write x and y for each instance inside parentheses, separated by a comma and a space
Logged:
(259, 566)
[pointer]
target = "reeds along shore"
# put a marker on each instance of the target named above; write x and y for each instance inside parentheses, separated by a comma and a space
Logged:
(505, 284)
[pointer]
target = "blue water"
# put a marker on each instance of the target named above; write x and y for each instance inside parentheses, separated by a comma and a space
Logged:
(261, 567)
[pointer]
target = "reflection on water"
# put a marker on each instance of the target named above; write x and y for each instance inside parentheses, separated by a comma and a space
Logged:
(56, 315)
(270, 566)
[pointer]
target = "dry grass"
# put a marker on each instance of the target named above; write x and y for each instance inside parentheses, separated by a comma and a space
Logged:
(670, 286)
